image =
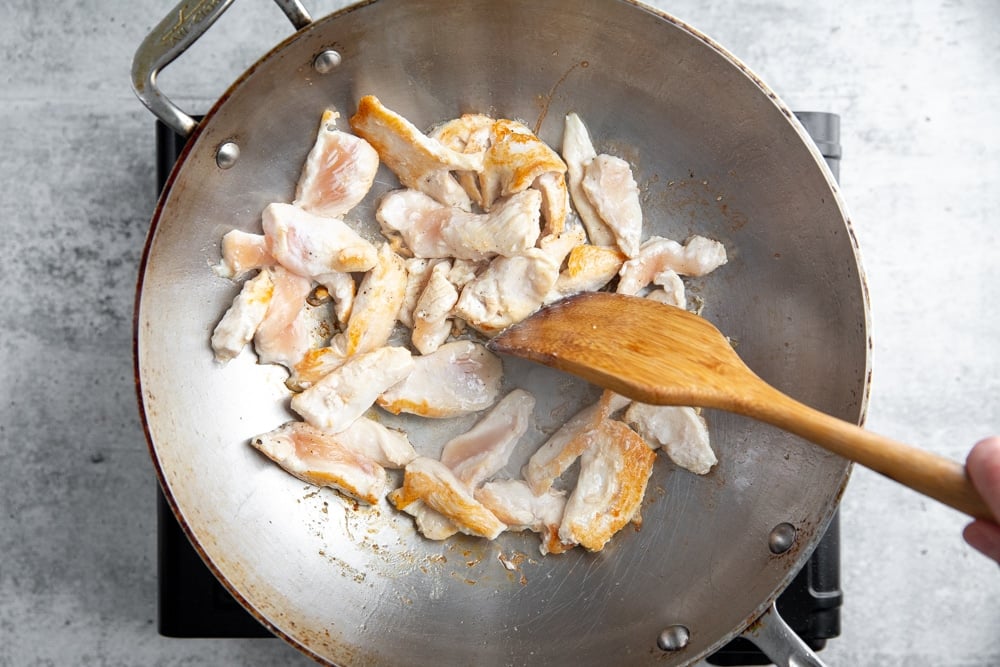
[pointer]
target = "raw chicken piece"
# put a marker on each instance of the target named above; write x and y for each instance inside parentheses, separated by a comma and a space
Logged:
(333, 403)
(459, 378)
(588, 269)
(430, 229)
(433, 483)
(609, 186)
(614, 471)
(242, 252)
(238, 325)
(555, 200)
(578, 151)
(680, 431)
(515, 158)
(672, 290)
(379, 299)
(484, 450)
(417, 160)
(313, 246)
(388, 447)
(283, 335)
(564, 447)
(697, 257)
(319, 458)
(512, 501)
(469, 133)
(316, 364)
(431, 325)
(338, 172)
(510, 289)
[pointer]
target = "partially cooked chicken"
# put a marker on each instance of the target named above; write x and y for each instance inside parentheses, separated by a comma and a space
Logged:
(509, 290)
(484, 450)
(335, 401)
(611, 189)
(377, 304)
(417, 160)
(514, 503)
(658, 255)
(680, 431)
(459, 378)
(283, 335)
(433, 483)
(313, 246)
(430, 229)
(319, 458)
(614, 470)
(238, 325)
(242, 252)
(338, 171)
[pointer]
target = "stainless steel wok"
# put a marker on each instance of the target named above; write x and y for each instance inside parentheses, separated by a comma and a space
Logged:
(715, 153)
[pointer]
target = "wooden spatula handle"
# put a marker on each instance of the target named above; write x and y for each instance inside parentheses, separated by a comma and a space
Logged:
(934, 476)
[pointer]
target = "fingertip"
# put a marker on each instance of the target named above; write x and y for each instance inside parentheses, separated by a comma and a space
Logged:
(984, 537)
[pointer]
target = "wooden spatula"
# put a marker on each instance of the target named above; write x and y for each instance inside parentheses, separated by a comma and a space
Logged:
(659, 354)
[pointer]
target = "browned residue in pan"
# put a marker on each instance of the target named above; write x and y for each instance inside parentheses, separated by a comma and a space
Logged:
(546, 100)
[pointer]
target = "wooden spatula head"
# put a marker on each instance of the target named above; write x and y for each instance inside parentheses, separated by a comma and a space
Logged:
(648, 351)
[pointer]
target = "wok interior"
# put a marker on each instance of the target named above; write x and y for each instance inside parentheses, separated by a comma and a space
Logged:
(713, 155)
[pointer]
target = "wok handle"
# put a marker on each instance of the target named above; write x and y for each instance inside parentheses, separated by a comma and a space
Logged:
(779, 642)
(170, 38)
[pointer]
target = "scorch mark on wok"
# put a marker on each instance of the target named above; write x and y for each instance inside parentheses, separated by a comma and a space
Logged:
(546, 100)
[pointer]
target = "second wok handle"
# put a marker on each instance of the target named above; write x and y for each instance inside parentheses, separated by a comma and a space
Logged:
(934, 476)
(173, 36)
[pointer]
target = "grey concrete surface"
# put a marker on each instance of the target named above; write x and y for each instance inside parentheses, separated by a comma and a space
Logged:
(917, 83)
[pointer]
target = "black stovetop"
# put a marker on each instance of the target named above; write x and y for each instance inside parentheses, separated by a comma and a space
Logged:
(192, 602)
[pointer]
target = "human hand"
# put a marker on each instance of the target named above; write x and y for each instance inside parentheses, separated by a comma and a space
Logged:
(983, 466)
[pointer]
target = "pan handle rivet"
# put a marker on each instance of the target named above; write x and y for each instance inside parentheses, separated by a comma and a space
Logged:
(326, 61)
(673, 638)
(782, 538)
(227, 155)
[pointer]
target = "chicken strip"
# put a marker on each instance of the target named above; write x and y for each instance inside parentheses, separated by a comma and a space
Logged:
(417, 160)
(339, 398)
(614, 471)
(485, 449)
(588, 269)
(565, 446)
(242, 252)
(671, 290)
(459, 378)
(437, 487)
(283, 335)
(431, 325)
(510, 289)
(578, 151)
(513, 502)
(469, 133)
(680, 431)
(313, 246)
(316, 364)
(238, 325)
(432, 524)
(611, 189)
(379, 299)
(338, 172)
(514, 160)
(390, 448)
(418, 272)
(341, 288)
(698, 257)
(321, 459)
(430, 229)
(555, 200)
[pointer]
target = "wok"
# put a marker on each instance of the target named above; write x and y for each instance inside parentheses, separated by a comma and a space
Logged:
(715, 153)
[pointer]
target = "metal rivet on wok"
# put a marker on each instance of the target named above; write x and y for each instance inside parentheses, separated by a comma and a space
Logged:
(326, 61)
(673, 638)
(782, 538)
(227, 155)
